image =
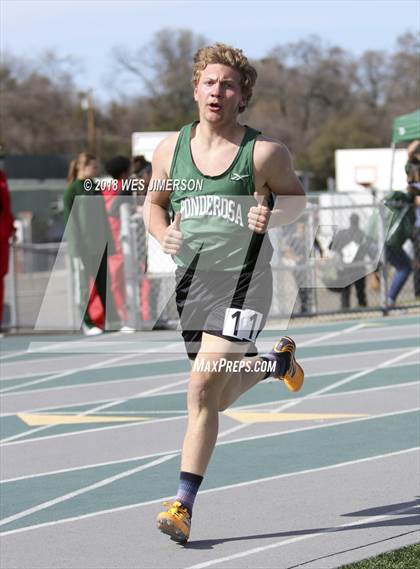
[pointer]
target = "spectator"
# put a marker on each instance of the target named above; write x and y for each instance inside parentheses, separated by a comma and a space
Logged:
(295, 251)
(7, 230)
(402, 204)
(141, 170)
(139, 163)
(416, 244)
(412, 169)
(150, 289)
(352, 245)
(413, 151)
(119, 168)
(89, 240)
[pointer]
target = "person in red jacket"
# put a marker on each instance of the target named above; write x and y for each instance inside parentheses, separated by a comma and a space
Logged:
(119, 168)
(7, 230)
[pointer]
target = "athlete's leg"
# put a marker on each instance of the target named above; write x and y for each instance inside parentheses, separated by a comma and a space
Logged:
(213, 390)
(238, 383)
(217, 379)
(204, 396)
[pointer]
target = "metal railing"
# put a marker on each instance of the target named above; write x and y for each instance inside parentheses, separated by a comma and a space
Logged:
(306, 272)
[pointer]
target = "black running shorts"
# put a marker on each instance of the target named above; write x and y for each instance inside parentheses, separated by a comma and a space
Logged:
(231, 305)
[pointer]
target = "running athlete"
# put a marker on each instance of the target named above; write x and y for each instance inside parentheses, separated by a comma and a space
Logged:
(220, 177)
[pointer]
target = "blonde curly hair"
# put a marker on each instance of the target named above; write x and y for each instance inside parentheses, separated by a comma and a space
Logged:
(230, 56)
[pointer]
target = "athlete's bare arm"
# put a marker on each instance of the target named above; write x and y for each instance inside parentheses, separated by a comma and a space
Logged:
(156, 204)
(273, 173)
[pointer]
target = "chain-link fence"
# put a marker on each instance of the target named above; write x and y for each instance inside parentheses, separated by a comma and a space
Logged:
(30, 269)
(330, 261)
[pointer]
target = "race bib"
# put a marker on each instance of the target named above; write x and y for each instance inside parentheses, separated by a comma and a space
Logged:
(242, 324)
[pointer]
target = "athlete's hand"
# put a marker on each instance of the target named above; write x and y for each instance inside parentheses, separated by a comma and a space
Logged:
(259, 215)
(172, 238)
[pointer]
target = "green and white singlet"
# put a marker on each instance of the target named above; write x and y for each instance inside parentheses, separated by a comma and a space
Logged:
(214, 209)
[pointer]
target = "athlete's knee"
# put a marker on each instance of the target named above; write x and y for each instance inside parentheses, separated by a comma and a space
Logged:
(204, 390)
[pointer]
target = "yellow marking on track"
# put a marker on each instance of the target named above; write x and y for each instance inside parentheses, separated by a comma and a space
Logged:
(266, 417)
(35, 419)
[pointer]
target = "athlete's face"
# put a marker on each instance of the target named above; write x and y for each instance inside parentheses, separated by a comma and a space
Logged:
(218, 93)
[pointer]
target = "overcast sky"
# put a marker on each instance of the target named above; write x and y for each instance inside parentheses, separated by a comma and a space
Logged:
(88, 29)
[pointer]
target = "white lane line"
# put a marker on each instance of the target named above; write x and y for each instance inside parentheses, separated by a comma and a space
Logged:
(136, 380)
(383, 323)
(65, 373)
(398, 386)
(77, 386)
(361, 522)
(366, 335)
(411, 321)
(27, 351)
(323, 390)
(146, 395)
(53, 407)
(221, 443)
(84, 490)
(318, 359)
(164, 458)
(157, 378)
(77, 340)
(97, 365)
(244, 425)
(39, 347)
(106, 405)
(94, 410)
(141, 424)
(66, 359)
(332, 335)
(214, 490)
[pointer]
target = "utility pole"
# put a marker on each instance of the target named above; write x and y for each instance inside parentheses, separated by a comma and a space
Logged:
(91, 125)
(86, 102)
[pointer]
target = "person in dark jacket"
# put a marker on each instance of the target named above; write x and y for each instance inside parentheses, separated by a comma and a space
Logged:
(412, 169)
(89, 240)
(402, 204)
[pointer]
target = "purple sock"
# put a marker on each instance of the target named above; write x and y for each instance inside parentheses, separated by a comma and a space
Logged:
(282, 362)
(189, 484)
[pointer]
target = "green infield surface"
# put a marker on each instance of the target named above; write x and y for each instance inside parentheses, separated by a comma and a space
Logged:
(404, 558)
(91, 432)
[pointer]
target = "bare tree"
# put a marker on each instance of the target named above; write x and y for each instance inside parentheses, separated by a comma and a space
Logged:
(403, 93)
(164, 68)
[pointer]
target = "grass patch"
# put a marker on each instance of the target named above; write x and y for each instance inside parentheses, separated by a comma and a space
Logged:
(404, 558)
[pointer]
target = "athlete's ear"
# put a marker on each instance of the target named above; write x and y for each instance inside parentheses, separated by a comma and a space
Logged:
(195, 94)
(242, 105)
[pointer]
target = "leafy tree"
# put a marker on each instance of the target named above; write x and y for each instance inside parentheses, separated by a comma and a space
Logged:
(353, 131)
(313, 96)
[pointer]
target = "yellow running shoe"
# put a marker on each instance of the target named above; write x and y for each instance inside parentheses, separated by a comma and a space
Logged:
(175, 522)
(294, 376)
